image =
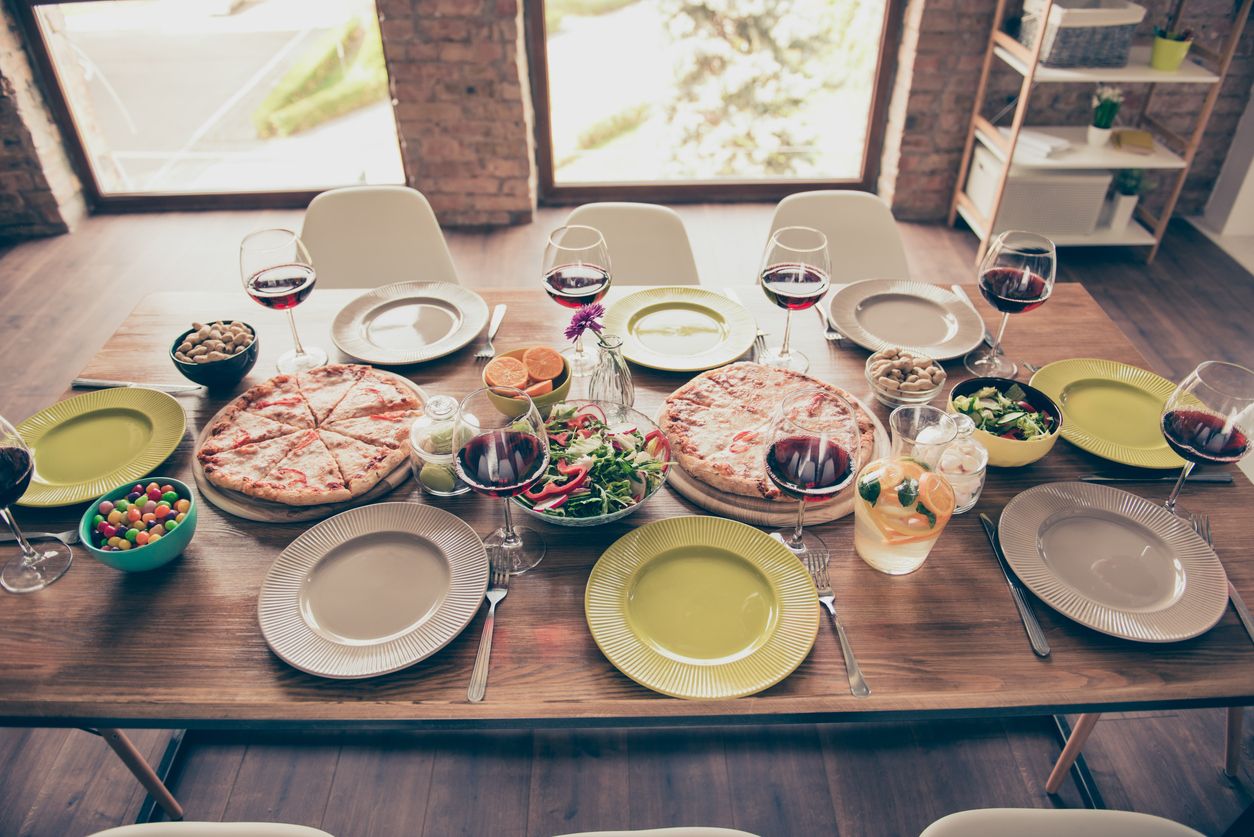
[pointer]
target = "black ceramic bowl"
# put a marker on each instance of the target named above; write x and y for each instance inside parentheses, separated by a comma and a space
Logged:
(218, 374)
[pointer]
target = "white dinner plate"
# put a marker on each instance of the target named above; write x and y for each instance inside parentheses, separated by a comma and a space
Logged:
(879, 313)
(373, 590)
(409, 322)
(1114, 562)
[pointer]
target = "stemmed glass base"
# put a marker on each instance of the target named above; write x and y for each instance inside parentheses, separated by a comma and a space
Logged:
(805, 546)
(49, 563)
(518, 554)
(582, 363)
(794, 360)
(292, 361)
(990, 363)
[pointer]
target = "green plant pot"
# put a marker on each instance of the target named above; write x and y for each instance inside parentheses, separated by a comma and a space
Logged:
(1168, 55)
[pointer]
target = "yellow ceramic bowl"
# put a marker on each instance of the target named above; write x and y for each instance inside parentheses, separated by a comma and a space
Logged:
(1013, 453)
(561, 388)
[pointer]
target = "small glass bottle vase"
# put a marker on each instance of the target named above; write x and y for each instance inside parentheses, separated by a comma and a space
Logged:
(611, 379)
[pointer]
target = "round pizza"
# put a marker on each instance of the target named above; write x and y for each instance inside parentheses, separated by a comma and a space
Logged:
(322, 436)
(718, 425)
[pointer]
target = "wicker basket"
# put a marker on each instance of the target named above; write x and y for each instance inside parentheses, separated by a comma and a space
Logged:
(1082, 33)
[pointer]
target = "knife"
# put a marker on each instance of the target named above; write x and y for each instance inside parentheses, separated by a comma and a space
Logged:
(1037, 637)
(96, 383)
(1222, 479)
(961, 293)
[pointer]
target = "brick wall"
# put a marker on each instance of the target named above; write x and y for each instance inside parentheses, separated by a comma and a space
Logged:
(39, 193)
(459, 77)
(939, 67)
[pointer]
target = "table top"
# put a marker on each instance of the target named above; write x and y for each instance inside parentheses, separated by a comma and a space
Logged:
(180, 646)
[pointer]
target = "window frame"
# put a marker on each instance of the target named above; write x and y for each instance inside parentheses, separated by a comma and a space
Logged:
(51, 86)
(702, 191)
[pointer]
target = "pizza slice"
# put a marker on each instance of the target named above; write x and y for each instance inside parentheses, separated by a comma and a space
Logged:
(237, 428)
(388, 430)
(376, 393)
(307, 476)
(326, 386)
(239, 468)
(279, 399)
(361, 465)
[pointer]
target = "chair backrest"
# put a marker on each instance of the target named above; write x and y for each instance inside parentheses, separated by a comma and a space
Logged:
(368, 236)
(1052, 822)
(862, 235)
(680, 831)
(648, 243)
(213, 829)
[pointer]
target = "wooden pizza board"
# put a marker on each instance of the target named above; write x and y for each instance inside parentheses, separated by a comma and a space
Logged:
(761, 512)
(268, 511)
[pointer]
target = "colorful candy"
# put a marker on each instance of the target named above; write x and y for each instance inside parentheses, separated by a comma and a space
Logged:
(148, 513)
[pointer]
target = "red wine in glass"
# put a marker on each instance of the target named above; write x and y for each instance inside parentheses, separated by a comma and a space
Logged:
(1203, 437)
(794, 287)
(15, 473)
(283, 286)
(1013, 291)
(502, 463)
(576, 285)
(808, 468)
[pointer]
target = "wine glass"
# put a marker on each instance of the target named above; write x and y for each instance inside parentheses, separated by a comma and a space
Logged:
(796, 273)
(500, 454)
(278, 273)
(39, 566)
(1016, 275)
(1209, 419)
(576, 269)
(808, 457)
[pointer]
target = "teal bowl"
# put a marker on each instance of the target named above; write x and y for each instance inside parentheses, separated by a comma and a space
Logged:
(150, 556)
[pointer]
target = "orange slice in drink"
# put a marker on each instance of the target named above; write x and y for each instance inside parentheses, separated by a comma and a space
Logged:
(936, 494)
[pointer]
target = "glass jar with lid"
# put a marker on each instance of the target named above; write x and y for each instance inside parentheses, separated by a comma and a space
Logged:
(965, 464)
(431, 448)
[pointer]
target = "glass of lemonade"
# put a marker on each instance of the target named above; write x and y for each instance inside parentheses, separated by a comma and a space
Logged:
(902, 503)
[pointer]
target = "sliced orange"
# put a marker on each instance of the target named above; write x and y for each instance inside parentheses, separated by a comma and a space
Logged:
(542, 388)
(936, 493)
(543, 363)
(505, 372)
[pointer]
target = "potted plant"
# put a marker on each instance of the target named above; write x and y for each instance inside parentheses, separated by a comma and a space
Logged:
(1171, 45)
(1127, 193)
(1106, 103)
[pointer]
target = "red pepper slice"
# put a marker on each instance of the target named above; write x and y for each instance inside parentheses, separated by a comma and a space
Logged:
(575, 474)
(742, 441)
(663, 447)
(560, 438)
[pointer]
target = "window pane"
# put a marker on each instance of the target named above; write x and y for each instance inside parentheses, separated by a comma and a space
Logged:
(202, 96)
(650, 90)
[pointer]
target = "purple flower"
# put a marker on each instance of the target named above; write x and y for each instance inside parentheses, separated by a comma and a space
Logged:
(586, 317)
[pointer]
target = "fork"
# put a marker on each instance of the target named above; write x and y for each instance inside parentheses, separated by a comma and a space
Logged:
(68, 538)
(829, 328)
(759, 339)
(816, 563)
(488, 351)
(479, 678)
(1201, 525)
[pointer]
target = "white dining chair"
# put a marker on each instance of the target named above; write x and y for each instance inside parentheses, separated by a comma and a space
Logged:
(680, 831)
(648, 243)
(1054, 822)
(212, 829)
(862, 235)
(368, 236)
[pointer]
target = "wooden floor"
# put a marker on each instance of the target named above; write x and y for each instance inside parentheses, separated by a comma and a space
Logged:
(60, 299)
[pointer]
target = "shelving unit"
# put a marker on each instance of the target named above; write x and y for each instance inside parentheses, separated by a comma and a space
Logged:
(1172, 152)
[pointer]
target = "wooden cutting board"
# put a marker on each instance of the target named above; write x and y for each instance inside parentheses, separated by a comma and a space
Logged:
(760, 512)
(268, 511)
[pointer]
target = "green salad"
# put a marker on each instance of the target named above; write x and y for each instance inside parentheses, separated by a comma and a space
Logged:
(596, 469)
(1005, 414)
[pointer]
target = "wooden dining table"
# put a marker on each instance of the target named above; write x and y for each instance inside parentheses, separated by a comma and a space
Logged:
(180, 647)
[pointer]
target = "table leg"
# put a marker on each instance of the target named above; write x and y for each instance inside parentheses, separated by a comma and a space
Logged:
(1232, 742)
(139, 767)
(1075, 743)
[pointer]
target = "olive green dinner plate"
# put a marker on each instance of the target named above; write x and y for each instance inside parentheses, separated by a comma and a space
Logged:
(1111, 409)
(702, 608)
(680, 329)
(88, 445)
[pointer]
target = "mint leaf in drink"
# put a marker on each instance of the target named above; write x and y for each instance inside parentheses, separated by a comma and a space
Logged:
(908, 492)
(928, 513)
(869, 490)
